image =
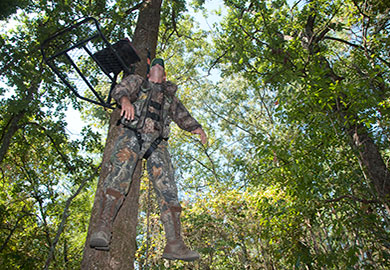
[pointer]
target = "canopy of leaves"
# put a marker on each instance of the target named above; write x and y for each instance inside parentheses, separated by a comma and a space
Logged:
(279, 186)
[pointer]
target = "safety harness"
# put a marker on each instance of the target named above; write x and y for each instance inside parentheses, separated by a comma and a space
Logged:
(156, 117)
(138, 135)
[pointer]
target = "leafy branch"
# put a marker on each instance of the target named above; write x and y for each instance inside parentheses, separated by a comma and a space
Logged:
(65, 215)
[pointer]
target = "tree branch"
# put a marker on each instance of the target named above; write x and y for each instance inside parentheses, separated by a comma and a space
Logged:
(13, 230)
(138, 6)
(8, 132)
(56, 147)
(216, 61)
(356, 46)
(38, 198)
(65, 216)
(230, 122)
(360, 10)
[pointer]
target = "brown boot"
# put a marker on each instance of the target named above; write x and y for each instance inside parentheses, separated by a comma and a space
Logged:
(111, 201)
(175, 248)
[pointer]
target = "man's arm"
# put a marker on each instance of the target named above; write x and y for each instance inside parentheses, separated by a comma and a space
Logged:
(128, 87)
(182, 117)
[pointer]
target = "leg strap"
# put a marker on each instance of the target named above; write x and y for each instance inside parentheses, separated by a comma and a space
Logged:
(153, 147)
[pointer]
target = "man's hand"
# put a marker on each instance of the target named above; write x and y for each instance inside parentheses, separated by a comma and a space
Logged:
(127, 108)
(203, 136)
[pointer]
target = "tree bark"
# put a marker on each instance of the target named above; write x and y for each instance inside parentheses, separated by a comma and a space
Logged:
(371, 160)
(123, 245)
(367, 152)
(13, 125)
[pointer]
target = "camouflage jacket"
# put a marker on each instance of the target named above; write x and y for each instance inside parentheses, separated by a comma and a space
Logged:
(155, 105)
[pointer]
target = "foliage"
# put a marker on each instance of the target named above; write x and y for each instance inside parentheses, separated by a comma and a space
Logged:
(279, 186)
(9, 7)
(42, 166)
(279, 109)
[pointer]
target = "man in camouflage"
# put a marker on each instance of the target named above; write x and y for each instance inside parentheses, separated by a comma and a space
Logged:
(148, 107)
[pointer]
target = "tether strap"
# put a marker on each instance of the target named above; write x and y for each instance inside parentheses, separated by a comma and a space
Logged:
(152, 147)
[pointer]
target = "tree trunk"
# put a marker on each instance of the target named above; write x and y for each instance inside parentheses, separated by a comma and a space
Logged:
(13, 125)
(123, 246)
(364, 146)
(371, 160)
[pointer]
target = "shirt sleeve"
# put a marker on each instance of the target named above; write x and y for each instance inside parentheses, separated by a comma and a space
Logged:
(128, 87)
(182, 117)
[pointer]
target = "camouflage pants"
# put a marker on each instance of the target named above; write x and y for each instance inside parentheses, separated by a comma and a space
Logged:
(125, 156)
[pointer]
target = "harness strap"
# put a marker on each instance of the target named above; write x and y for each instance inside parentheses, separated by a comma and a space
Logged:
(153, 116)
(155, 105)
(152, 147)
(137, 134)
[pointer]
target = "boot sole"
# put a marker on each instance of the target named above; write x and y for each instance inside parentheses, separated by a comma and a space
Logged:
(102, 248)
(99, 244)
(172, 257)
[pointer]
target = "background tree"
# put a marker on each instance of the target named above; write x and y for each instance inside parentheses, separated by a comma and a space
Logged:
(286, 181)
(307, 90)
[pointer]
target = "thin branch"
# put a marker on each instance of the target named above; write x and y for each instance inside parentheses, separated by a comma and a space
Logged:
(65, 215)
(295, 4)
(56, 147)
(384, 24)
(138, 6)
(216, 61)
(360, 10)
(213, 167)
(13, 230)
(201, 163)
(352, 198)
(8, 132)
(38, 198)
(230, 122)
(173, 18)
(356, 46)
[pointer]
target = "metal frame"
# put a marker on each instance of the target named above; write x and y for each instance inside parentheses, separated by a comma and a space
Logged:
(49, 59)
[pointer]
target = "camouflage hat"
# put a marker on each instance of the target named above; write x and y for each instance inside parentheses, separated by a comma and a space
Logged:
(159, 61)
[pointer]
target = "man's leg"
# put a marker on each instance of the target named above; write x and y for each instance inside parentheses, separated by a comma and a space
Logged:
(161, 173)
(115, 187)
(110, 202)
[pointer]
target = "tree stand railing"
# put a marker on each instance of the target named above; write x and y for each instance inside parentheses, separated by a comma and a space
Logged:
(82, 57)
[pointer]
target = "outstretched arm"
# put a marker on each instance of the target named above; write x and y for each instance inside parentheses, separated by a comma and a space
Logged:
(181, 116)
(203, 136)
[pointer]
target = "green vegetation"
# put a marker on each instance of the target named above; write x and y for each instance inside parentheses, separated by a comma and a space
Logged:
(295, 173)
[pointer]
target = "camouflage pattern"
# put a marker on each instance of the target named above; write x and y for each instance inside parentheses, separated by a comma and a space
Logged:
(155, 107)
(136, 88)
(159, 166)
(129, 87)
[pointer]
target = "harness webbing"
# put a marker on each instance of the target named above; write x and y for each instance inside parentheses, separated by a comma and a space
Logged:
(152, 147)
